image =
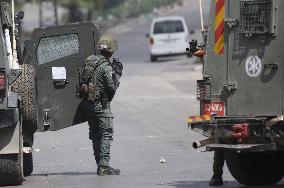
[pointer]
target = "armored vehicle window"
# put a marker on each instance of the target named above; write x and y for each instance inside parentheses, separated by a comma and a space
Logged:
(169, 26)
(56, 47)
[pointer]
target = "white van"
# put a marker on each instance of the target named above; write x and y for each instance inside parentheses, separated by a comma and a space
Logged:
(168, 36)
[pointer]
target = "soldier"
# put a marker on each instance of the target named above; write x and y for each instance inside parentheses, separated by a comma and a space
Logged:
(219, 158)
(100, 89)
(218, 165)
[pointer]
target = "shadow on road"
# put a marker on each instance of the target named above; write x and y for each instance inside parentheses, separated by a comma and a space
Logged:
(67, 174)
(227, 184)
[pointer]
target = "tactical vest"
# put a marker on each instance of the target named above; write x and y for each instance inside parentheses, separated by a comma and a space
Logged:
(87, 87)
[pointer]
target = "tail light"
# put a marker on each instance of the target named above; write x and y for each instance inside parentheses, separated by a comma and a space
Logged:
(212, 108)
(2, 81)
(151, 41)
(2, 86)
(240, 132)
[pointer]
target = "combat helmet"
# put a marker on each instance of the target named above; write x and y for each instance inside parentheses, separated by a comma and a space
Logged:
(107, 43)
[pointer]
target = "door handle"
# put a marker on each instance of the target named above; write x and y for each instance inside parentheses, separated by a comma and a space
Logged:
(271, 65)
(60, 82)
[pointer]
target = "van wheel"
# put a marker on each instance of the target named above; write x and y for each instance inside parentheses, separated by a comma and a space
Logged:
(255, 169)
(153, 58)
(28, 164)
(189, 54)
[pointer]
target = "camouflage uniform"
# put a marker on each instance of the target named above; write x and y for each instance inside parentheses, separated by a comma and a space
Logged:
(218, 163)
(100, 117)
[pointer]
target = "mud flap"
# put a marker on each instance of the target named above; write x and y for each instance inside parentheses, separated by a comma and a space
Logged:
(10, 139)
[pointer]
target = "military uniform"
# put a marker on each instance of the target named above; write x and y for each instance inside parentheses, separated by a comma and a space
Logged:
(99, 79)
(100, 117)
(218, 164)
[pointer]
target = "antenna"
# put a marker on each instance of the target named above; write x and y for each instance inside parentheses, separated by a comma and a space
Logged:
(201, 16)
(15, 64)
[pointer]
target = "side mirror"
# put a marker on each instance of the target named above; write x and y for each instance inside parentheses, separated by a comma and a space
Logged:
(147, 35)
(19, 15)
(191, 32)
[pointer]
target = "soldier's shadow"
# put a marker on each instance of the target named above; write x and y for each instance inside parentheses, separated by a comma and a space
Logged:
(227, 184)
(66, 174)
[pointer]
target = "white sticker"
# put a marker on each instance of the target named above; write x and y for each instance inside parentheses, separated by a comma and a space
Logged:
(253, 66)
(58, 73)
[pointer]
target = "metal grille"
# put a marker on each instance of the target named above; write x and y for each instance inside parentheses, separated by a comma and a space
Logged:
(53, 48)
(255, 16)
(203, 90)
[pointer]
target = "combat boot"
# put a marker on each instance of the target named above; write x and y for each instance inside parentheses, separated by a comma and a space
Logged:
(107, 170)
(216, 180)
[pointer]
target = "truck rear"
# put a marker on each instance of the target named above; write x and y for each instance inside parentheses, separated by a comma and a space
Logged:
(241, 93)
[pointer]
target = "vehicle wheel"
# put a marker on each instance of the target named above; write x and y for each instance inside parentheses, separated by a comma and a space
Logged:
(25, 87)
(254, 169)
(154, 58)
(11, 167)
(189, 54)
(28, 164)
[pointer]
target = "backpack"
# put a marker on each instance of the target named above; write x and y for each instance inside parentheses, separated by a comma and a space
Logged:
(86, 86)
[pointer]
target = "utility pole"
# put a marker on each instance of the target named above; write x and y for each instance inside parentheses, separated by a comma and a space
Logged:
(48, 12)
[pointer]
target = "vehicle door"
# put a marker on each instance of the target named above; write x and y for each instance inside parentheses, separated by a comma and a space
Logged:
(59, 51)
(255, 58)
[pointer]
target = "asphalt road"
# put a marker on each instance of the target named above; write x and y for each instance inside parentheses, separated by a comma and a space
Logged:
(150, 109)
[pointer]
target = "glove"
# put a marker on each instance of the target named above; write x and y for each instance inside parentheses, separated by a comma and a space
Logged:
(116, 79)
(199, 53)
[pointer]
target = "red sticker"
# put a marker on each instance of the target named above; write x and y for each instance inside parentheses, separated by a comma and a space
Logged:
(213, 108)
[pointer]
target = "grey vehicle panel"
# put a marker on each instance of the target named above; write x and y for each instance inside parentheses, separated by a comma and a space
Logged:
(253, 95)
(261, 95)
(215, 62)
(58, 106)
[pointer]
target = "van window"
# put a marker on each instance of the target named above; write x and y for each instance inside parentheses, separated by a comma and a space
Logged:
(169, 26)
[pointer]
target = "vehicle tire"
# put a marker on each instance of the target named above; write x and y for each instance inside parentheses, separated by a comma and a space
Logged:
(255, 169)
(28, 164)
(189, 54)
(153, 58)
(25, 87)
(11, 167)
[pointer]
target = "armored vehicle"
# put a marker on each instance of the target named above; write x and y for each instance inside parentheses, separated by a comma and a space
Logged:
(241, 93)
(37, 87)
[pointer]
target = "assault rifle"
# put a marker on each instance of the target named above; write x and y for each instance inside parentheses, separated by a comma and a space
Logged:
(117, 69)
(192, 46)
(117, 66)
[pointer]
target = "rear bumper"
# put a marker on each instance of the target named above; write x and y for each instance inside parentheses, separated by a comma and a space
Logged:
(169, 54)
(171, 51)
(242, 148)
(241, 134)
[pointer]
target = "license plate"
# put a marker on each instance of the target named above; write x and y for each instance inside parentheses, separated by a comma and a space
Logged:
(213, 108)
